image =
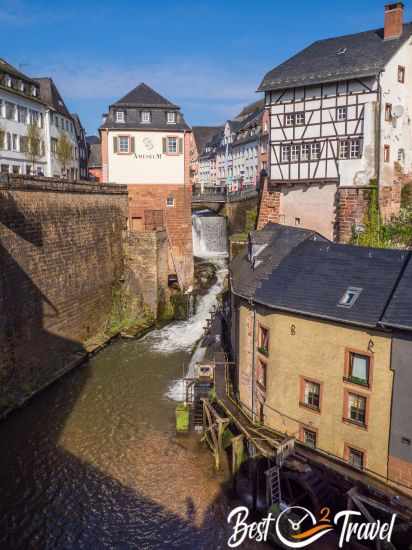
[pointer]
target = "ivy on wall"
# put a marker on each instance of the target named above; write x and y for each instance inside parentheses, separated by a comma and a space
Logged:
(397, 233)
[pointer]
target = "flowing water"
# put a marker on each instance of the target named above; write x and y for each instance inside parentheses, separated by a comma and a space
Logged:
(93, 462)
(209, 234)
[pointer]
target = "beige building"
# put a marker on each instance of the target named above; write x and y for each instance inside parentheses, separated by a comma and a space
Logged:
(314, 360)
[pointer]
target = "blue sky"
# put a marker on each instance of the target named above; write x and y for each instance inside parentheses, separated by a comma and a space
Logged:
(208, 56)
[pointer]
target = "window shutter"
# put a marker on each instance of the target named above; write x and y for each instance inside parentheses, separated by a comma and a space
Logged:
(132, 144)
(164, 145)
(115, 144)
(180, 145)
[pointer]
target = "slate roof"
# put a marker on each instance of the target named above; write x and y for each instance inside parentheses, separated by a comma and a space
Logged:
(12, 71)
(251, 108)
(302, 272)
(203, 135)
(95, 158)
(77, 125)
(144, 96)
(399, 311)
(92, 139)
(50, 94)
(280, 240)
(366, 54)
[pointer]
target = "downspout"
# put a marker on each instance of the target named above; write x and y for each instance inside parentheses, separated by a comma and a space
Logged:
(378, 147)
(253, 359)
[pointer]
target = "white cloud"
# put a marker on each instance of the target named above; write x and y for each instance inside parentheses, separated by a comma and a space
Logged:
(181, 81)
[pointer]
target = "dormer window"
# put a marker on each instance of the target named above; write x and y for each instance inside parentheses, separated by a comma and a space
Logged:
(171, 118)
(34, 91)
(120, 116)
(145, 117)
(8, 81)
(350, 297)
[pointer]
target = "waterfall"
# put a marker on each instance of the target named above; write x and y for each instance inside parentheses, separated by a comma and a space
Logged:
(209, 235)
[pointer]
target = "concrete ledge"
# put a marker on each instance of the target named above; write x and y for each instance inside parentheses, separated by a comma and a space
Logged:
(54, 185)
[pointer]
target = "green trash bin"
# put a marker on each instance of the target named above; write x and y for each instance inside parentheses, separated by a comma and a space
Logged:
(182, 417)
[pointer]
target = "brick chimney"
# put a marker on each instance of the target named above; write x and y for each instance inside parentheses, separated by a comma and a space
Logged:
(393, 20)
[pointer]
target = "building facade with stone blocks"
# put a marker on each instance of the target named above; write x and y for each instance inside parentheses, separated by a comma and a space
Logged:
(322, 342)
(145, 144)
(339, 125)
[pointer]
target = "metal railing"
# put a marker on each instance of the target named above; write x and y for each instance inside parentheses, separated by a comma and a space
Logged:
(222, 194)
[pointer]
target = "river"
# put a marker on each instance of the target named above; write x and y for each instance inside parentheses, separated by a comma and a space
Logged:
(94, 461)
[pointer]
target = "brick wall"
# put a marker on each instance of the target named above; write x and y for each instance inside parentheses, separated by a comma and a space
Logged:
(269, 206)
(353, 204)
(400, 473)
(236, 214)
(61, 255)
(146, 275)
(178, 221)
(390, 200)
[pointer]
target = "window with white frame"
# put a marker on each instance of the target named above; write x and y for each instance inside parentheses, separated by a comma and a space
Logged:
(171, 117)
(344, 149)
(120, 116)
(145, 117)
(305, 151)
(10, 110)
(172, 144)
(299, 119)
(315, 151)
(170, 201)
(341, 113)
(294, 153)
(123, 144)
(22, 114)
(289, 119)
(285, 153)
(350, 149)
(355, 150)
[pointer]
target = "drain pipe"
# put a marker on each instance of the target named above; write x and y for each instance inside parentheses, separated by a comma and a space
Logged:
(378, 152)
(253, 358)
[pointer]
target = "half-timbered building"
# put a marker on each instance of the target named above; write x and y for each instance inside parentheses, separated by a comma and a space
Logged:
(340, 120)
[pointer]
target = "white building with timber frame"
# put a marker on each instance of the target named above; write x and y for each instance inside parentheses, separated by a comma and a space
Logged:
(340, 118)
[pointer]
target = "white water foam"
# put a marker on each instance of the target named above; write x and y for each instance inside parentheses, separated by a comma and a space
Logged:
(182, 335)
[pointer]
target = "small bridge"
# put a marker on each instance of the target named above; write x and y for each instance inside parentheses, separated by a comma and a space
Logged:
(220, 195)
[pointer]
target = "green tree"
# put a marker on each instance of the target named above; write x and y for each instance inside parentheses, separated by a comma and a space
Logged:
(33, 149)
(64, 151)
